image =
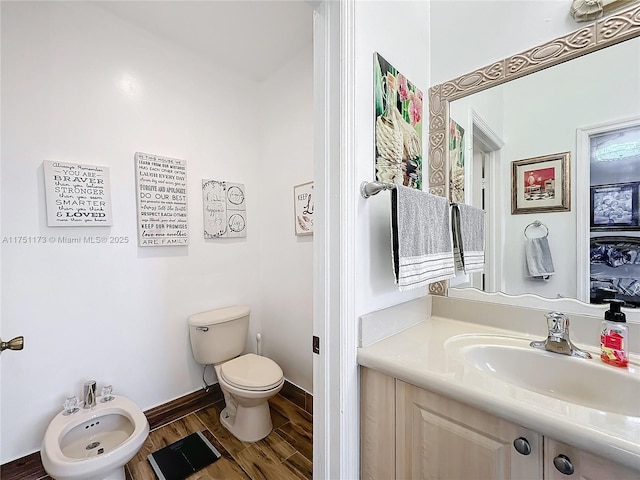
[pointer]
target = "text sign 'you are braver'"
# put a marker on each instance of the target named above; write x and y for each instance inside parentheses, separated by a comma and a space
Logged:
(162, 200)
(77, 195)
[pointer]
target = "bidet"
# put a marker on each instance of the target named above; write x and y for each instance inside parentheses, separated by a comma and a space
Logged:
(94, 443)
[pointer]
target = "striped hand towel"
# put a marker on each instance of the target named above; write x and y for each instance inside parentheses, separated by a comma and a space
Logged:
(468, 237)
(421, 238)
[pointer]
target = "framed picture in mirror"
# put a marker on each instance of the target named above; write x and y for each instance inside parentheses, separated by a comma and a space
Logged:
(541, 184)
(615, 207)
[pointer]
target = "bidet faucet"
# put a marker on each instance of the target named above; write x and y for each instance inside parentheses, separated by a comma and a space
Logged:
(558, 337)
(89, 394)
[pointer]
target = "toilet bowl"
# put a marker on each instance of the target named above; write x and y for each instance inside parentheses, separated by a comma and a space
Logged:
(248, 382)
(94, 443)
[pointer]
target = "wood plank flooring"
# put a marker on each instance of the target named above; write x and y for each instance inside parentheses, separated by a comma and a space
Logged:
(286, 454)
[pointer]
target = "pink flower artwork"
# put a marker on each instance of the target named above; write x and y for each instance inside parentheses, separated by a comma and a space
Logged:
(403, 88)
(415, 108)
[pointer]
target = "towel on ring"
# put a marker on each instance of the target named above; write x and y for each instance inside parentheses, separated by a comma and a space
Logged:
(538, 258)
(421, 238)
(468, 237)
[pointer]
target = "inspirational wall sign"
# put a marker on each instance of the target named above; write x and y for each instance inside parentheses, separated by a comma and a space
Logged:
(77, 195)
(224, 209)
(162, 200)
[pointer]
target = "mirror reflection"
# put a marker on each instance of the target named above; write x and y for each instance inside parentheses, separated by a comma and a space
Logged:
(589, 109)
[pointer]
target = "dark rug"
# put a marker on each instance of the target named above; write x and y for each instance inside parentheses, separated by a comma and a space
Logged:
(183, 458)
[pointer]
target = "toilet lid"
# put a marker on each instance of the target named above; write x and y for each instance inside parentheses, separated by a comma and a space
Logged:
(252, 372)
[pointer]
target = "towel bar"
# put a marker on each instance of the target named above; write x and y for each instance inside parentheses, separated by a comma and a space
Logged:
(368, 189)
(373, 188)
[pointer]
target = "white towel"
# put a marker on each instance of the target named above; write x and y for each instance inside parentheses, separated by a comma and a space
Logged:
(421, 238)
(538, 258)
(468, 237)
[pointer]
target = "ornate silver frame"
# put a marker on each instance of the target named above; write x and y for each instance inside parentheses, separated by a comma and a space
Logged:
(605, 32)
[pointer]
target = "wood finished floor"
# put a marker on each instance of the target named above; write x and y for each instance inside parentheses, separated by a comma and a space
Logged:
(286, 454)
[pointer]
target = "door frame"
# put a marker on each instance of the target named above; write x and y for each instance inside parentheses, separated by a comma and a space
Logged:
(335, 371)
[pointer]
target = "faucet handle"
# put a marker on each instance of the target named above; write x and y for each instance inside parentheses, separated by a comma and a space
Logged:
(70, 405)
(557, 322)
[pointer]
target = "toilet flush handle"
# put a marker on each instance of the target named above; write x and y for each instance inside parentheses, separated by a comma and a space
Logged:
(203, 329)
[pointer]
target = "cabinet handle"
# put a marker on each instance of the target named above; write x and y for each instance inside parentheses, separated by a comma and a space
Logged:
(563, 464)
(522, 446)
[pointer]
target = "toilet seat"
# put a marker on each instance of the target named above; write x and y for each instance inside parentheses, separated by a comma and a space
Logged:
(252, 372)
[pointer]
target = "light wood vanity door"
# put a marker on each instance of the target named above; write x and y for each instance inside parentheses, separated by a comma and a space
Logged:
(441, 439)
(377, 425)
(585, 466)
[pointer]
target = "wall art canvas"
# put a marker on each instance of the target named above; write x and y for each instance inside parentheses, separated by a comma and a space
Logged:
(77, 195)
(303, 208)
(398, 126)
(456, 161)
(162, 200)
(541, 184)
(224, 209)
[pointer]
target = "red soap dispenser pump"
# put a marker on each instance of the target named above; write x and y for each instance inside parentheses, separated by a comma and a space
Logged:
(613, 338)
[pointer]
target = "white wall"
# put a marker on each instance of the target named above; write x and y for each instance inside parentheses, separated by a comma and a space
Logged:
(118, 312)
(470, 34)
(398, 31)
(286, 260)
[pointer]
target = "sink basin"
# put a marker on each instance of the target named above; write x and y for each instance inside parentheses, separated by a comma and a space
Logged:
(589, 383)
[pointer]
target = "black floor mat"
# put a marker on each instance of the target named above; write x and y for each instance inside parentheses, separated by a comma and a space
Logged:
(184, 457)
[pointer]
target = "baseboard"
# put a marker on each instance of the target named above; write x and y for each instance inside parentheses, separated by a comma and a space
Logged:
(30, 466)
(297, 396)
(182, 406)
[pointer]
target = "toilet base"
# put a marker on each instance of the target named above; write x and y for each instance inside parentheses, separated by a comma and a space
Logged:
(249, 424)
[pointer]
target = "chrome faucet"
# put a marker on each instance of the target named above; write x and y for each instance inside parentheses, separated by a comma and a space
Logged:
(89, 395)
(558, 337)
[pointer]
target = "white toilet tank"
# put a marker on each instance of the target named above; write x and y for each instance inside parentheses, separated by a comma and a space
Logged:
(219, 335)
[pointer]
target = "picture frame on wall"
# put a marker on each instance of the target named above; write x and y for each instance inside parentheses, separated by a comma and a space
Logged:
(615, 207)
(541, 184)
(398, 109)
(303, 208)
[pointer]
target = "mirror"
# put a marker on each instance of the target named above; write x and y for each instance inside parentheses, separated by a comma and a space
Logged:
(588, 88)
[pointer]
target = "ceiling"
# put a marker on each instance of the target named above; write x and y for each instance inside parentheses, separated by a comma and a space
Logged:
(251, 37)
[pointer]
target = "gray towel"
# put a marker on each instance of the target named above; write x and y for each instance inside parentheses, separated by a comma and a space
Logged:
(538, 258)
(468, 237)
(421, 238)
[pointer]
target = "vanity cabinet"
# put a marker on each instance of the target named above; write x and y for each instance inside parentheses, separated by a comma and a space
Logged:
(411, 433)
(438, 438)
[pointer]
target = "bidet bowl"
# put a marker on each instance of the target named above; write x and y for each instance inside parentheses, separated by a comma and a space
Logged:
(95, 443)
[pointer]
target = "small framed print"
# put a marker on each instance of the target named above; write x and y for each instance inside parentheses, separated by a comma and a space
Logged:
(615, 207)
(541, 184)
(303, 208)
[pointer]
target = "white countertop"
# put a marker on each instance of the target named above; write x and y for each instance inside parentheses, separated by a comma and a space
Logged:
(418, 355)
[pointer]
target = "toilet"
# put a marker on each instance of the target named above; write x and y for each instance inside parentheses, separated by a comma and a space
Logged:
(247, 381)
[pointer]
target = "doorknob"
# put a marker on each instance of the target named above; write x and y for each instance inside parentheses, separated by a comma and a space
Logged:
(13, 344)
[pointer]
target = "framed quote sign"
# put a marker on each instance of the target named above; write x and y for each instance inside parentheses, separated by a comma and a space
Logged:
(303, 208)
(78, 195)
(162, 200)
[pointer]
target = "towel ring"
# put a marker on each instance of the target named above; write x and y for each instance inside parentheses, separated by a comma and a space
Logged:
(537, 224)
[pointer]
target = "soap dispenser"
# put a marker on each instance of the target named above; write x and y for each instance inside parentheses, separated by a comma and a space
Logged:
(613, 339)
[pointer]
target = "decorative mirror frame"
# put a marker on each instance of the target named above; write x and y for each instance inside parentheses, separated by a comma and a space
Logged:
(605, 32)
